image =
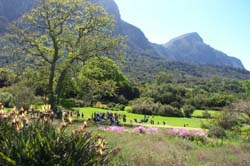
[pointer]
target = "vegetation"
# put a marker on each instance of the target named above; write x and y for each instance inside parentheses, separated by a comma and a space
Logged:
(65, 54)
(61, 35)
(37, 142)
(170, 121)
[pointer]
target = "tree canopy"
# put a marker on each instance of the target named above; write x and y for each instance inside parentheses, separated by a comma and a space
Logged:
(59, 35)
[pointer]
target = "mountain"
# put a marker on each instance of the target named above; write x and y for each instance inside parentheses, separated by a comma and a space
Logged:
(191, 48)
(188, 49)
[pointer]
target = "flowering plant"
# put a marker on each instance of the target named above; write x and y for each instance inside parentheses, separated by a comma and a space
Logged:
(140, 129)
(116, 129)
(143, 130)
(193, 135)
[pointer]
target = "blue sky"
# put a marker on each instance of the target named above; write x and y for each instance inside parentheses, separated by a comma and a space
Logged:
(223, 24)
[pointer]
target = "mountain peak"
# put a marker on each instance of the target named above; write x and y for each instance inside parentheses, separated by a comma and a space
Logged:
(191, 38)
(194, 36)
(191, 48)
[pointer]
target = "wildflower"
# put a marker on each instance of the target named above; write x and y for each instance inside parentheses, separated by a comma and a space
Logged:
(140, 129)
(152, 130)
(70, 120)
(188, 134)
(113, 129)
(100, 151)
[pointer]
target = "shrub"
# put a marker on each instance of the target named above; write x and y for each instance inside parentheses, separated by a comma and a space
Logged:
(217, 132)
(23, 96)
(7, 99)
(149, 107)
(128, 109)
(40, 143)
(70, 103)
(188, 110)
(119, 107)
(145, 106)
(168, 110)
(227, 120)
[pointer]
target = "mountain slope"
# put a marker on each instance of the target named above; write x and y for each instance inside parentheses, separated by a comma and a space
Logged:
(187, 48)
(191, 48)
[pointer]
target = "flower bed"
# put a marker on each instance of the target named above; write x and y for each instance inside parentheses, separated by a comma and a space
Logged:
(140, 129)
(193, 135)
(143, 130)
(116, 129)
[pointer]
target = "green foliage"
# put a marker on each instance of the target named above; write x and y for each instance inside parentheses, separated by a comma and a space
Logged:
(147, 106)
(61, 35)
(219, 100)
(168, 110)
(246, 85)
(227, 120)
(217, 132)
(6, 99)
(164, 77)
(188, 110)
(7, 77)
(169, 94)
(128, 109)
(19, 95)
(41, 144)
(241, 107)
(102, 79)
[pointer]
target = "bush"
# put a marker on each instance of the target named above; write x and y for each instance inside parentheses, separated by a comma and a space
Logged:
(41, 144)
(119, 107)
(145, 106)
(188, 110)
(149, 107)
(70, 103)
(227, 120)
(217, 132)
(168, 110)
(23, 96)
(7, 99)
(128, 109)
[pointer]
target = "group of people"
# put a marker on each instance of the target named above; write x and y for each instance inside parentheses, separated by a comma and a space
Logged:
(113, 118)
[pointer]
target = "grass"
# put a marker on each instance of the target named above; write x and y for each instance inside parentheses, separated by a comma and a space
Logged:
(199, 113)
(160, 150)
(170, 121)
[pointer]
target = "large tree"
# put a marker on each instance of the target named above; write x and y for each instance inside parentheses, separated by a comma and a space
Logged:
(61, 34)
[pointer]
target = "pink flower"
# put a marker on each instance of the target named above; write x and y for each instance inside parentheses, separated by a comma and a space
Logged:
(173, 131)
(140, 129)
(152, 130)
(188, 134)
(116, 129)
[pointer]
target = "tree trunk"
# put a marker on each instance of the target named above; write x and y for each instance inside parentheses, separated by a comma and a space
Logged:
(60, 84)
(52, 99)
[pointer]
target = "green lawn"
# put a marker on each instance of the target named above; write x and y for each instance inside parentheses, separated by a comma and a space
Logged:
(199, 113)
(170, 121)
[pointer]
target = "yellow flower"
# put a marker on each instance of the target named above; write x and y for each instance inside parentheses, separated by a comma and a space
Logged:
(70, 120)
(99, 142)
(100, 151)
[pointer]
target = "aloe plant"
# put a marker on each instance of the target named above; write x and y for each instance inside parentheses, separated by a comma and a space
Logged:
(40, 143)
